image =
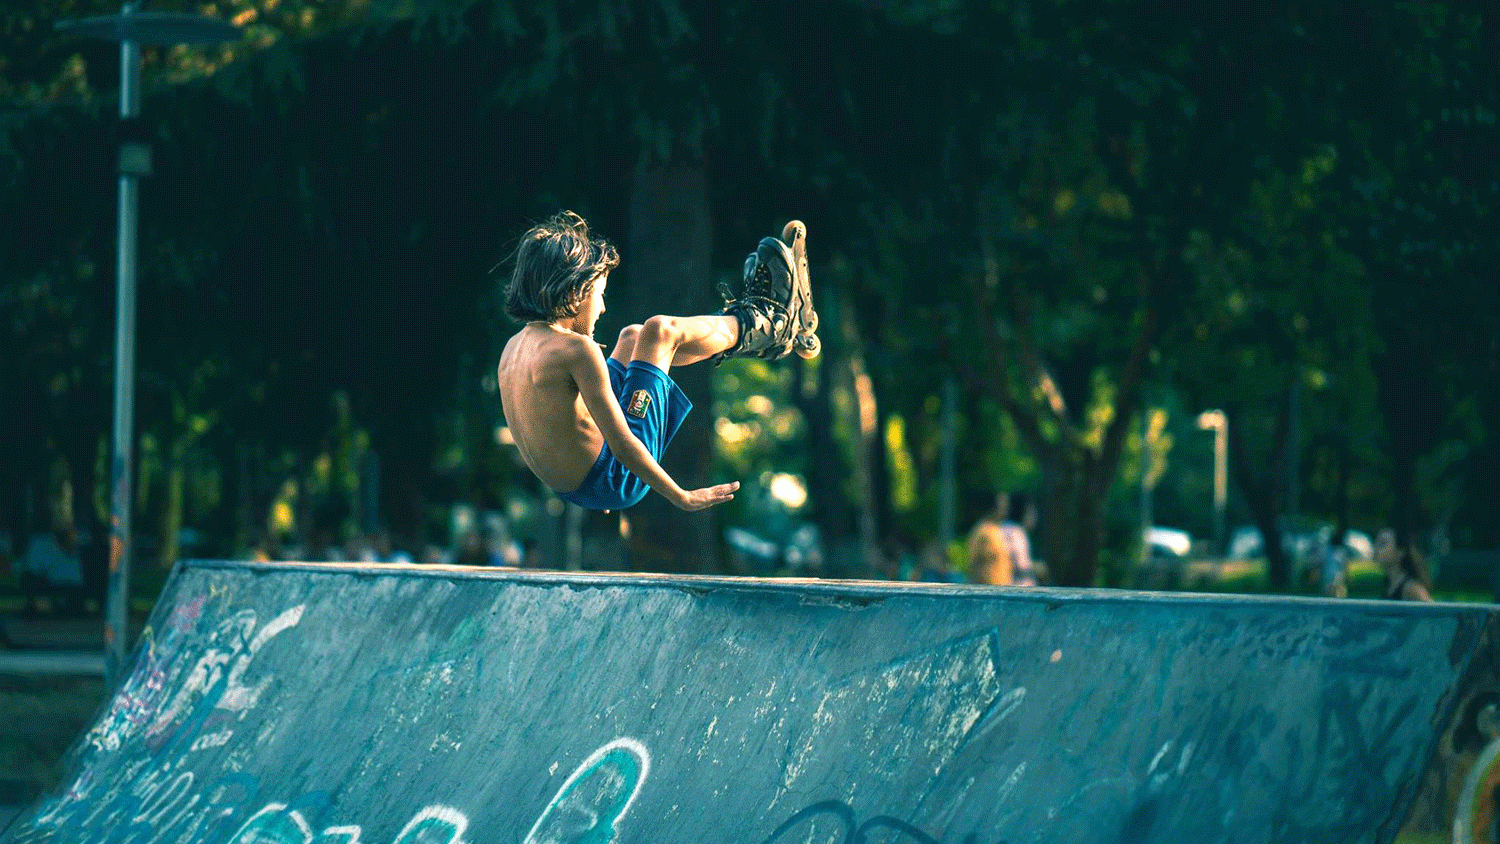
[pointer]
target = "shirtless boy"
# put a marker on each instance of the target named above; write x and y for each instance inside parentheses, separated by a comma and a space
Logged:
(593, 428)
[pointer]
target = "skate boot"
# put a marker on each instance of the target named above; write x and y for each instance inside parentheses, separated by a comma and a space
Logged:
(775, 306)
(805, 343)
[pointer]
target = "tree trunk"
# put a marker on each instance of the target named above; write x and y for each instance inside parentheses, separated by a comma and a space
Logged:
(179, 440)
(175, 479)
(1341, 487)
(1405, 398)
(880, 465)
(864, 424)
(82, 447)
(1261, 495)
(1075, 487)
(246, 526)
(1396, 403)
(870, 329)
(1404, 487)
(826, 471)
(1072, 528)
(1054, 500)
(947, 475)
(1088, 522)
(406, 475)
(666, 268)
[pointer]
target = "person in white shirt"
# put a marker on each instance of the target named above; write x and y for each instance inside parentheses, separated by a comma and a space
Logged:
(1020, 520)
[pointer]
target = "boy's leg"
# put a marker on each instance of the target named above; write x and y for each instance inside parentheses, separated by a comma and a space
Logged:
(625, 346)
(667, 341)
(775, 316)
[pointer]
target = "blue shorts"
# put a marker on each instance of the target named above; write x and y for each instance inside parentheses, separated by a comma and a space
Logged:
(654, 409)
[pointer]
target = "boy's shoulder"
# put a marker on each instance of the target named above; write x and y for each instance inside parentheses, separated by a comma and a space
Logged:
(573, 346)
(541, 345)
(551, 341)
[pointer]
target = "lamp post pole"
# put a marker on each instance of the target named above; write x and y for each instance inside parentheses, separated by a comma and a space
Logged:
(1146, 516)
(131, 28)
(947, 509)
(117, 591)
(1218, 422)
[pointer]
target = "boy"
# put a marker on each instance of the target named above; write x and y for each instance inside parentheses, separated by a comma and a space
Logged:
(593, 428)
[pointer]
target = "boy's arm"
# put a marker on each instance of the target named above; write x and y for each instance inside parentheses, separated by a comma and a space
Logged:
(591, 375)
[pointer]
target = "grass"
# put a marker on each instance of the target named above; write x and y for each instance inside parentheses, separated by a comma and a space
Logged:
(1365, 580)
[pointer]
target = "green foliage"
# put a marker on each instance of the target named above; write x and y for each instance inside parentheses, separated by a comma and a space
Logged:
(1078, 211)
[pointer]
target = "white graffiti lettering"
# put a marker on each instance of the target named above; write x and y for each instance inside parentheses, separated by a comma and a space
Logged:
(277, 824)
(595, 796)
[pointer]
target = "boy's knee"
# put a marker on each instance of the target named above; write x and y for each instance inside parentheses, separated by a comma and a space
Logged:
(628, 335)
(658, 330)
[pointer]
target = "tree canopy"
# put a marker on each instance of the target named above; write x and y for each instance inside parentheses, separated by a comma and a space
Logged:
(1078, 214)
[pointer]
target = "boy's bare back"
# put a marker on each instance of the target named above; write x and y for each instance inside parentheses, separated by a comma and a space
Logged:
(552, 428)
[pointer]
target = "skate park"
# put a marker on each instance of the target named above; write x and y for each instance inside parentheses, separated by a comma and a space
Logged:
(337, 702)
(939, 421)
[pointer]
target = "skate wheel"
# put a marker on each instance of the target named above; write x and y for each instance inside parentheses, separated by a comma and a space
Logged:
(808, 346)
(793, 230)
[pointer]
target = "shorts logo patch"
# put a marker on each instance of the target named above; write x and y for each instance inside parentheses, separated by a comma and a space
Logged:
(639, 401)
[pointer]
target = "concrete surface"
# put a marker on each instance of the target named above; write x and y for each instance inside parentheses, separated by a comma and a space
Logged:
(342, 704)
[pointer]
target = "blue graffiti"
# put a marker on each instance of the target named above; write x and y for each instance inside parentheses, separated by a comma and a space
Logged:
(894, 829)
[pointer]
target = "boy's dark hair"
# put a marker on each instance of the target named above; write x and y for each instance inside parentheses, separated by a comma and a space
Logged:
(555, 268)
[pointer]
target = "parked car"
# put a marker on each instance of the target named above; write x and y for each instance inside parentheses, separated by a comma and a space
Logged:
(1246, 542)
(799, 553)
(1166, 558)
(1169, 541)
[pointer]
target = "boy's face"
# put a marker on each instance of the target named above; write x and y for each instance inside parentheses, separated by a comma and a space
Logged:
(589, 314)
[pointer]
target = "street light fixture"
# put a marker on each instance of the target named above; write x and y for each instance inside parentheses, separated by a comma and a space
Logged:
(1216, 421)
(131, 28)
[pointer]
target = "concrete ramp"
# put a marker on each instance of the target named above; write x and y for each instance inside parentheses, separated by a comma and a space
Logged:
(293, 704)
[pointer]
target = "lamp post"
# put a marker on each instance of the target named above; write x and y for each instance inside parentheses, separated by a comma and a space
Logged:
(1216, 421)
(947, 509)
(1146, 515)
(131, 28)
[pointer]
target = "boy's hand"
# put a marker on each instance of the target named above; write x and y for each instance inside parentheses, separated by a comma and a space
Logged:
(702, 499)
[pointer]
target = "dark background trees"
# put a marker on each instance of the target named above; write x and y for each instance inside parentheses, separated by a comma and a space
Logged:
(1075, 215)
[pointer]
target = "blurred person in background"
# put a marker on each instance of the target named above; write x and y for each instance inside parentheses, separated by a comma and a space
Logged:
(1406, 577)
(322, 548)
(935, 566)
(1020, 521)
(384, 551)
(990, 559)
(51, 567)
(470, 550)
(500, 547)
(1335, 565)
(357, 548)
(263, 548)
(898, 559)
